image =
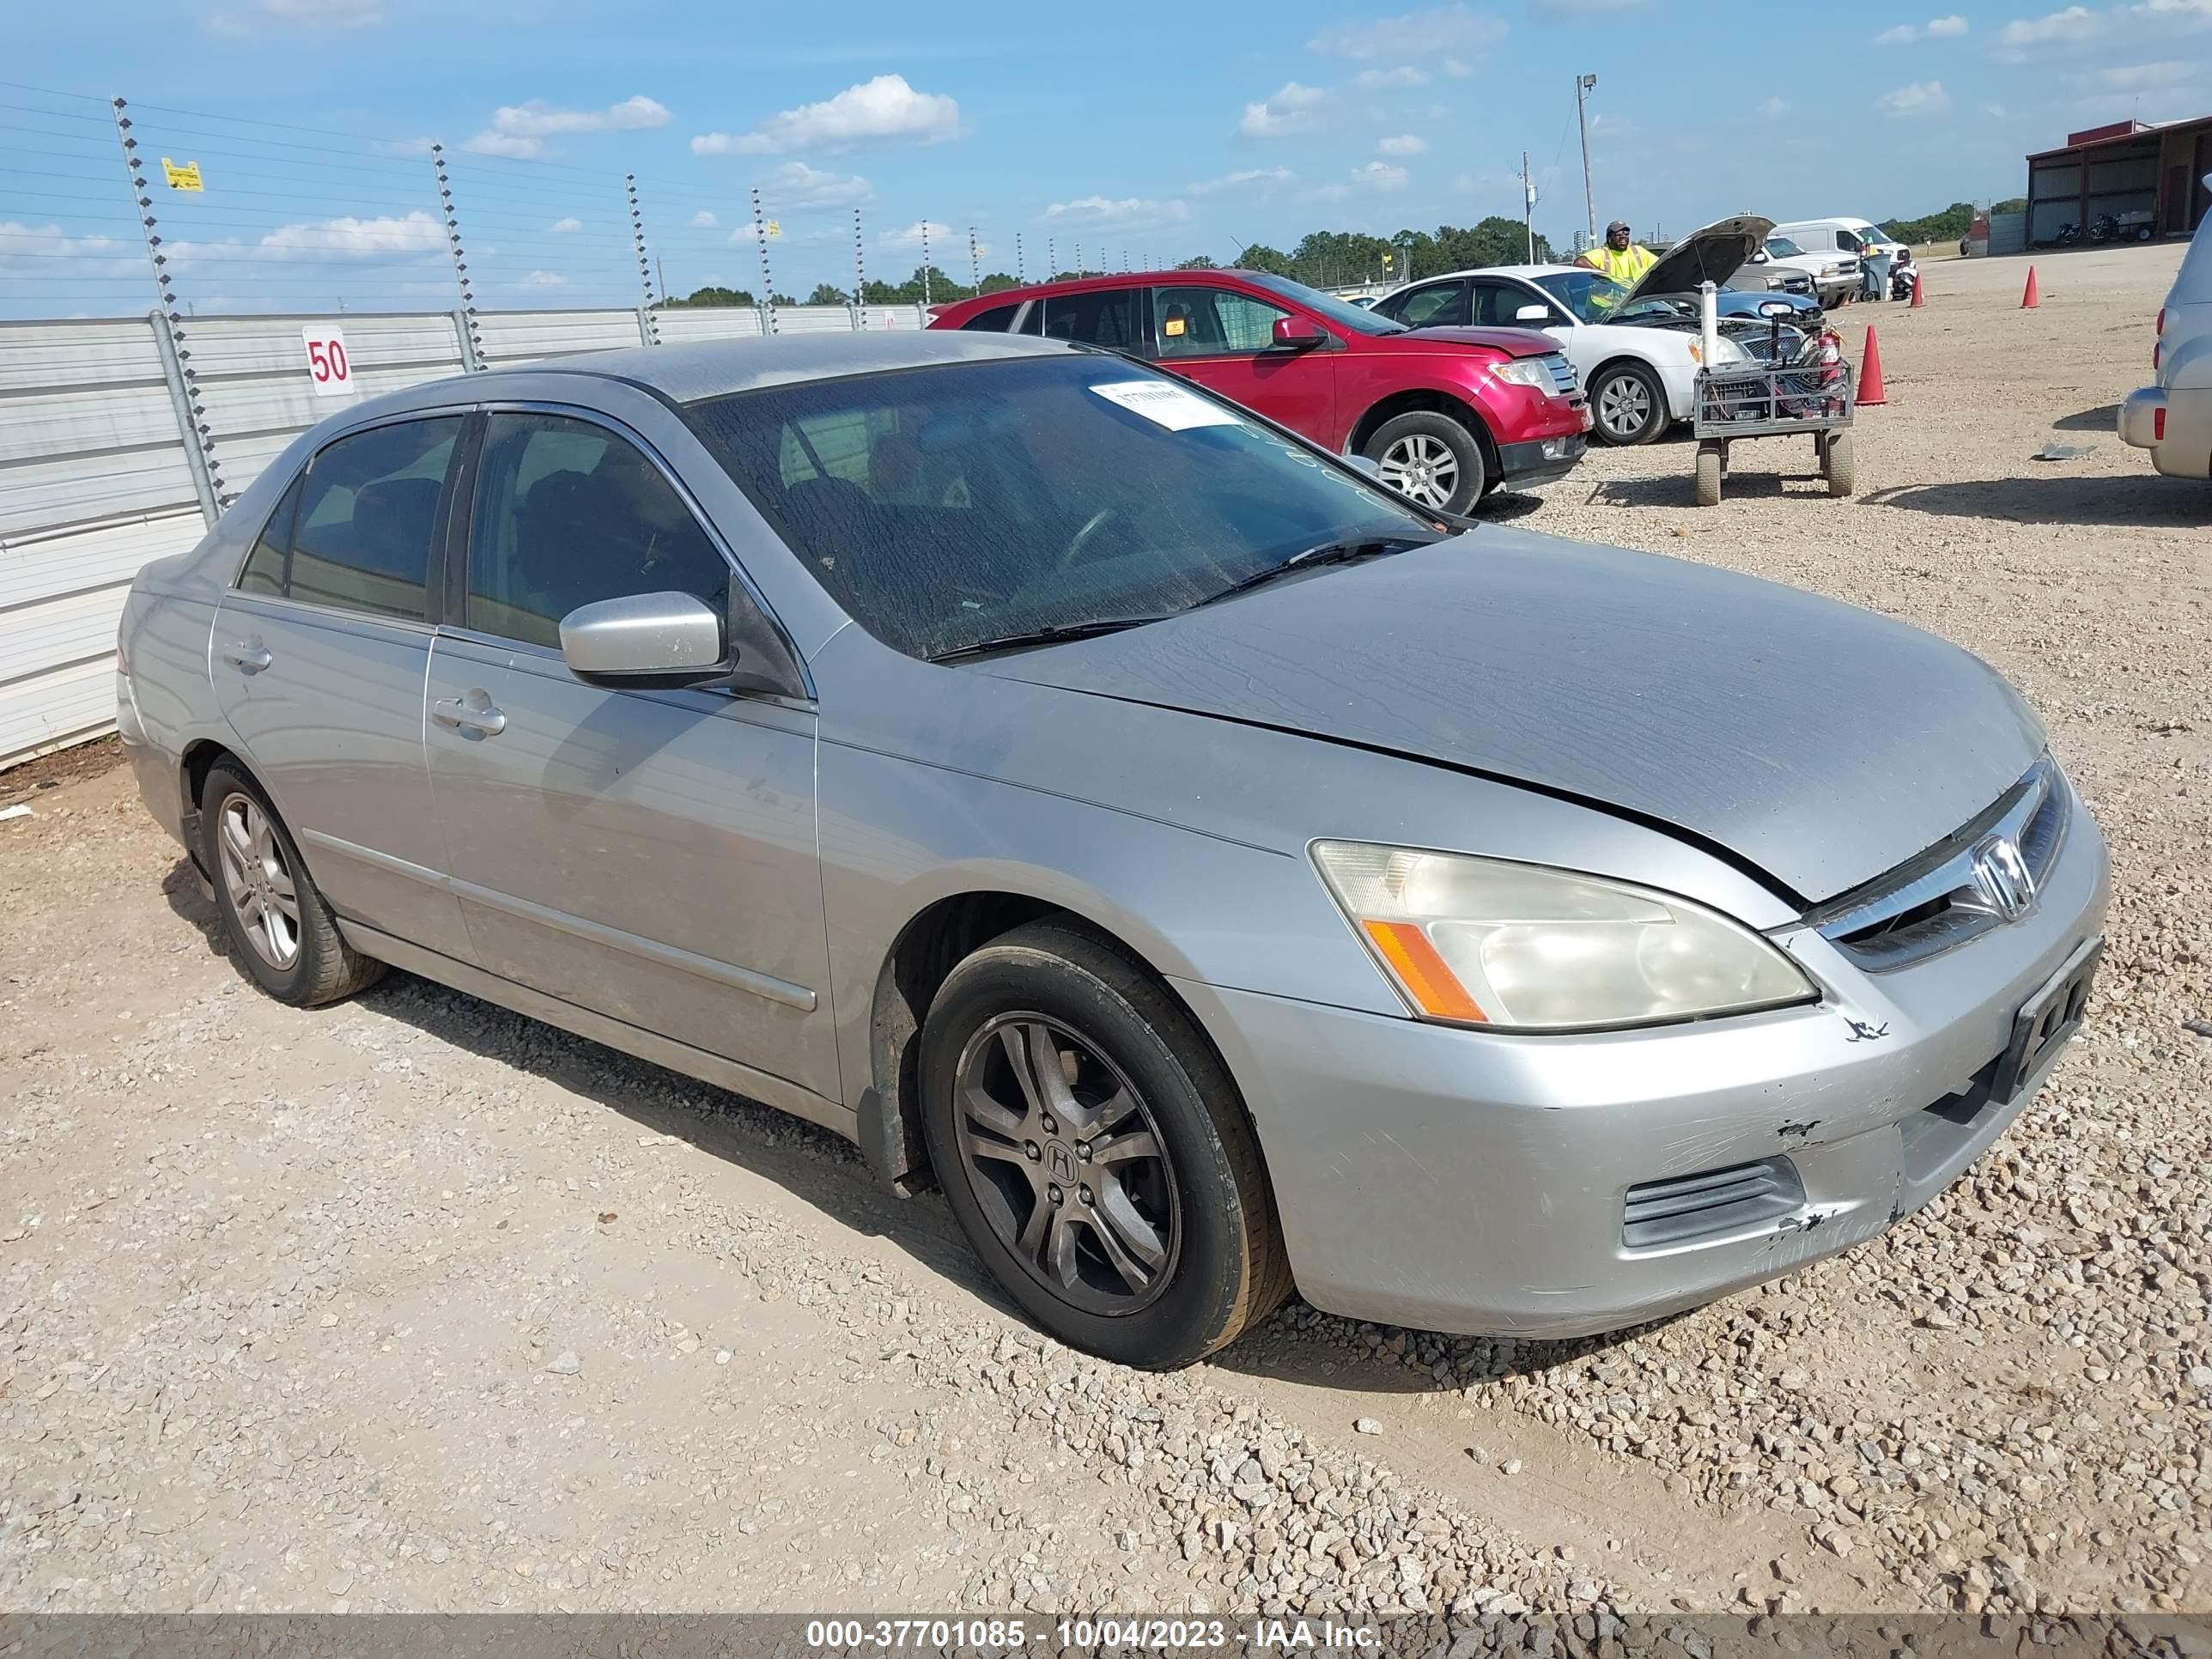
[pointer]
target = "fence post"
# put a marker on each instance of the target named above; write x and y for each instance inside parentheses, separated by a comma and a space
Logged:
(469, 361)
(180, 400)
(768, 284)
(860, 279)
(168, 323)
(472, 351)
(648, 326)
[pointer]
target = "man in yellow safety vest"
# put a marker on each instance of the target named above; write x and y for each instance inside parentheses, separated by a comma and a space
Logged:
(1618, 257)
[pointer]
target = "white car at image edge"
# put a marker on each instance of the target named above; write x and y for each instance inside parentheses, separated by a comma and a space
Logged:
(2173, 418)
(1640, 376)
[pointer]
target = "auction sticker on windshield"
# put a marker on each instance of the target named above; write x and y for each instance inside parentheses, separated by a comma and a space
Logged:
(1167, 405)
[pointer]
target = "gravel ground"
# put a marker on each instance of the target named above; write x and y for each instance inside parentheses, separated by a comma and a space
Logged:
(413, 1304)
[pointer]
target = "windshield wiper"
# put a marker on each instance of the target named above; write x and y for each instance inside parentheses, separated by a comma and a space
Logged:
(1312, 558)
(1049, 633)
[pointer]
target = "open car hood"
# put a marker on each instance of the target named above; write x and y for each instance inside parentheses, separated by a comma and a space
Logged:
(1713, 253)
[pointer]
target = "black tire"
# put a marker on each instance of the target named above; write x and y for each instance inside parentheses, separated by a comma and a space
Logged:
(1472, 480)
(1225, 1266)
(321, 966)
(1628, 382)
(1710, 465)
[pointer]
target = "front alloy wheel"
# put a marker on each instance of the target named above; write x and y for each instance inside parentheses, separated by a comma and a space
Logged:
(1065, 1161)
(1422, 468)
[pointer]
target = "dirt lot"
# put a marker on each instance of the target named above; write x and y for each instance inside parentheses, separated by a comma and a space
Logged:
(411, 1304)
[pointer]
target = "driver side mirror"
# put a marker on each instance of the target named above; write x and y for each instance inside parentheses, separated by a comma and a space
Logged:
(1298, 333)
(1533, 314)
(666, 641)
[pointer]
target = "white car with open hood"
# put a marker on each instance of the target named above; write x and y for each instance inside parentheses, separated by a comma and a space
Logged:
(1637, 363)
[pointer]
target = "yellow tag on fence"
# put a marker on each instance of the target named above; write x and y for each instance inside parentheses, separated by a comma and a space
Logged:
(186, 177)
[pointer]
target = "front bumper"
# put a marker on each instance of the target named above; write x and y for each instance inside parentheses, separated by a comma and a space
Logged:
(1458, 1180)
(1540, 461)
(2176, 427)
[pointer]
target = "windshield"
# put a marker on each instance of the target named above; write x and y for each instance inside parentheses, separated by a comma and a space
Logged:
(1342, 313)
(1589, 296)
(1884, 234)
(944, 506)
(1782, 248)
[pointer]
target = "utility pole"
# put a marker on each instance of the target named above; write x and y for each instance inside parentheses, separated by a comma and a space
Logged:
(1528, 205)
(925, 262)
(1584, 83)
(974, 265)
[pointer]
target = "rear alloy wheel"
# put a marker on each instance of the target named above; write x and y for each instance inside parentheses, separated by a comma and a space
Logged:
(1431, 460)
(1629, 405)
(1095, 1152)
(278, 924)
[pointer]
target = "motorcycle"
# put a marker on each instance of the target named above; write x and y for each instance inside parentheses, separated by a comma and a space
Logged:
(2104, 228)
(1901, 277)
(2067, 236)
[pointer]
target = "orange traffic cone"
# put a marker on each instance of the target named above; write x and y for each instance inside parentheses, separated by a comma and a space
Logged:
(1870, 390)
(1918, 298)
(2030, 299)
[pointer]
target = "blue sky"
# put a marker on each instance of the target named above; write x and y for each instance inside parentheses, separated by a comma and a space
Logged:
(1169, 132)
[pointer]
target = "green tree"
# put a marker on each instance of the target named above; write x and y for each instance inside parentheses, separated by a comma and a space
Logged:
(998, 282)
(827, 295)
(1196, 262)
(717, 296)
(1258, 256)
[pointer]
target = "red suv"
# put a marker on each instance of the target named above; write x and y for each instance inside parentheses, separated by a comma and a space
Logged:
(1446, 415)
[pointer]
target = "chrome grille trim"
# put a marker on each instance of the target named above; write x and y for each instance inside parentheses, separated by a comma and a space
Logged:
(1563, 374)
(1875, 926)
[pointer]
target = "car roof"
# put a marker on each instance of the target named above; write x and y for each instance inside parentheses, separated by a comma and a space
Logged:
(1085, 284)
(1522, 271)
(715, 368)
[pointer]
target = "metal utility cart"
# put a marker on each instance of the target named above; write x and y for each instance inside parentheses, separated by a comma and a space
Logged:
(1757, 401)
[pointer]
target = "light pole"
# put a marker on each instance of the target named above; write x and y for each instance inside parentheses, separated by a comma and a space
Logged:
(1584, 83)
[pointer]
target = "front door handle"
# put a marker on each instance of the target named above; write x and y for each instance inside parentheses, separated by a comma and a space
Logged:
(248, 655)
(471, 720)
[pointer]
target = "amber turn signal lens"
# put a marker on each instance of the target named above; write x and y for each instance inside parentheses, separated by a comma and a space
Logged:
(1422, 971)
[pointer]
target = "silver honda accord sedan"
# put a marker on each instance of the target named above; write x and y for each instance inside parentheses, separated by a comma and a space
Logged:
(1215, 874)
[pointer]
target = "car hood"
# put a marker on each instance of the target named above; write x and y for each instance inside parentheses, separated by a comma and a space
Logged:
(1518, 342)
(1818, 743)
(1713, 253)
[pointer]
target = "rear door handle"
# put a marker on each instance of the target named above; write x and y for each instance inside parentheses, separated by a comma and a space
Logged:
(471, 721)
(248, 655)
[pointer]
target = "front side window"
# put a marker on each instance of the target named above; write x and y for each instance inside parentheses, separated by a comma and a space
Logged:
(568, 514)
(1337, 313)
(1213, 322)
(1497, 304)
(1846, 241)
(1103, 317)
(998, 498)
(1585, 295)
(368, 517)
(1440, 305)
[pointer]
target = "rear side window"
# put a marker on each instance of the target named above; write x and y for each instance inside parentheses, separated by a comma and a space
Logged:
(264, 566)
(1442, 306)
(1105, 317)
(367, 516)
(1846, 241)
(997, 321)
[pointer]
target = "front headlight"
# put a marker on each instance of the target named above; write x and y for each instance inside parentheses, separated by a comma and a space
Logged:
(1525, 371)
(1475, 941)
(1725, 350)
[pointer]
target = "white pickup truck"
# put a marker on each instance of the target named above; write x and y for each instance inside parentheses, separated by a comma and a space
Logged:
(2174, 419)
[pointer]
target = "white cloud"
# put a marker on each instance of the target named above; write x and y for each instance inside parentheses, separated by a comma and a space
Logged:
(1458, 70)
(21, 241)
(1329, 193)
(1374, 79)
(704, 219)
(1242, 177)
(2137, 77)
(1570, 7)
(1773, 107)
(348, 238)
(795, 186)
(1455, 28)
(521, 130)
(542, 279)
(939, 235)
(1995, 112)
(1291, 108)
(1920, 98)
(564, 227)
(1404, 143)
(885, 110)
(2074, 23)
(306, 17)
(1936, 28)
(1105, 211)
(1380, 175)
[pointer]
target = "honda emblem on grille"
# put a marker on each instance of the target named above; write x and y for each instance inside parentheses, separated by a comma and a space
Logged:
(2002, 878)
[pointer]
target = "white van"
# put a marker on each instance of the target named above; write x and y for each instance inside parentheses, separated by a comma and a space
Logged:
(2174, 419)
(1860, 238)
